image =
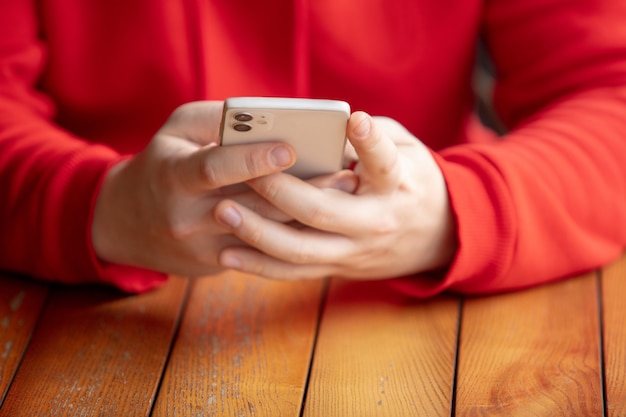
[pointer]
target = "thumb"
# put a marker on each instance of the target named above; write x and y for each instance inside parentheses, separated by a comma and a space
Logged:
(212, 167)
(378, 155)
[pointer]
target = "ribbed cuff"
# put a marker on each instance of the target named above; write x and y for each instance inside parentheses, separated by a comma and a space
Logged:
(483, 226)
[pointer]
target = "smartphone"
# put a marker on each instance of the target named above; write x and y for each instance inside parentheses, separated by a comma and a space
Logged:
(315, 128)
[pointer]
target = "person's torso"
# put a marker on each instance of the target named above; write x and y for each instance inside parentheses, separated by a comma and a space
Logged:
(117, 69)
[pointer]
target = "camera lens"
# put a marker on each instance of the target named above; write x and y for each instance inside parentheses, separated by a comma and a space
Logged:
(242, 127)
(243, 117)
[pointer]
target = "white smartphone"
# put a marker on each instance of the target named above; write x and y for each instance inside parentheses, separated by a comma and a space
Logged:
(315, 128)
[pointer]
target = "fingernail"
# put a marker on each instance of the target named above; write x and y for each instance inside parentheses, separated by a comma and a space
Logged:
(230, 217)
(363, 129)
(346, 184)
(230, 261)
(281, 156)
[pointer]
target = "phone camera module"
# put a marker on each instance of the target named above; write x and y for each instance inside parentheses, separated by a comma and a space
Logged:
(243, 117)
(242, 127)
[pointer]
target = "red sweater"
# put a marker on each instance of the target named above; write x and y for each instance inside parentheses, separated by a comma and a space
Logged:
(83, 83)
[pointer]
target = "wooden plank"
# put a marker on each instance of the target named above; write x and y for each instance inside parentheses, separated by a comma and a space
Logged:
(243, 349)
(614, 306)
(21, 301)
(532, 353)
(381, 353)
(96, 352)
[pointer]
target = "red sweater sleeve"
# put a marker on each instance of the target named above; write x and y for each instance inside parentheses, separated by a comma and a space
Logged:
(48, 178)
(549, 200)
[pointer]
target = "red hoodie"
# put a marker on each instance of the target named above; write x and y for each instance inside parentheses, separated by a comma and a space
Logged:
(83, 83)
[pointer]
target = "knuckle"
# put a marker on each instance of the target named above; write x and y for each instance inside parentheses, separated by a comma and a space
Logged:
(254, 165)
(390, 166)
(210, 174)
(271, 190)
(254, 234)
(177, 229)
(178, 115)
(203, 257)
(320, 217)
(179, 111)
(382, 226)
(302, 255)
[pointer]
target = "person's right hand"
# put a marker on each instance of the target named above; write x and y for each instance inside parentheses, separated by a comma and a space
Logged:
(155, 210)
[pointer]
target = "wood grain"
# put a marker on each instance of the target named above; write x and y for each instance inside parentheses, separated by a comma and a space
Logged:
(532, 353)
(614, 296)
(381, 353)
(243, 349)
(96, 352)
(21, 301)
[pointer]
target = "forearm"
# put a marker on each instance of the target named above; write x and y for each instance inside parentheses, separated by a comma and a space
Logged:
(48, 182)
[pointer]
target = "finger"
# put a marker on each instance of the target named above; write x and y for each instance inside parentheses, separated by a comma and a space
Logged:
(212, 167)
(254, 262)
(378, 156)
(289, 244)
(344, 181)
(329, 210)
(253, 202)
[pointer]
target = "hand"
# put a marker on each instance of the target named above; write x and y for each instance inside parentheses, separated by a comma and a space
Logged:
(156, 210)
(397, 222)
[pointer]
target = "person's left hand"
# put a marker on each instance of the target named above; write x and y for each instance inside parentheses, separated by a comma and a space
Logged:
(397, 222)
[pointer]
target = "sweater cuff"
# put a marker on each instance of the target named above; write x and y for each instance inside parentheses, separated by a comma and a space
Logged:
(86, 265)
(484, 229)
(124, 277)
(128, 278)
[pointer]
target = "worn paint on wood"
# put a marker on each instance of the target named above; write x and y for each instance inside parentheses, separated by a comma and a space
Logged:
(243, 348)
(21, 301)
(97, 352)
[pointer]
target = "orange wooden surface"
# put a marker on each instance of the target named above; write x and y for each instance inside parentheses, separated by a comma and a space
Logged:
(21, 301)
(243, 348)
(614, 308)
(380, 353)
(96, 352)
(532, 353)
(237, 345)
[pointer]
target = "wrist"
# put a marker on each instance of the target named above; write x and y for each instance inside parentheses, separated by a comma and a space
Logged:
(105, 227)
(448, 241)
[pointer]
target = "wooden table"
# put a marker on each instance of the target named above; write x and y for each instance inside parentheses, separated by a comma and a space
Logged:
(237, 345)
